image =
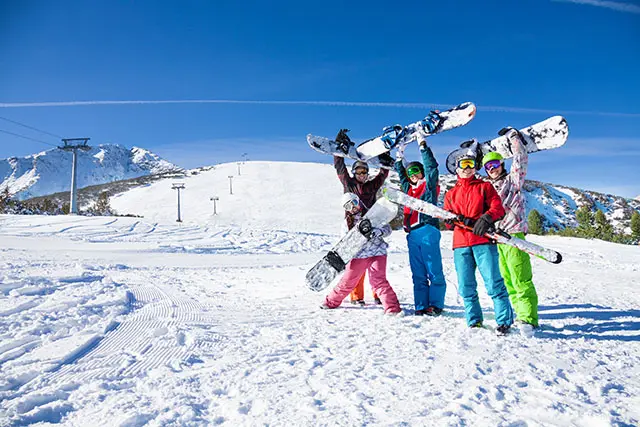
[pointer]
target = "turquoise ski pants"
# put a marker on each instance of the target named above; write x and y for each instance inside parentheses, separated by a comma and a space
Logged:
(485, 257)
(425, 259)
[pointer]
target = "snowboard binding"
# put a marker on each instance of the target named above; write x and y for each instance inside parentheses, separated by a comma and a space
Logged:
(432, 123)
(510, 132)
(335, 261)
(343, 140)
(365, 228)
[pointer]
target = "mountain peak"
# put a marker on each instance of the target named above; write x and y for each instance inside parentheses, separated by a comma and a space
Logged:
(49, 171)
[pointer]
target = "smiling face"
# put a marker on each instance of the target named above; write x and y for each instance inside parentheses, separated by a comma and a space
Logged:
(494, 168)
(415, 177)
(361, 174)
(466, 168)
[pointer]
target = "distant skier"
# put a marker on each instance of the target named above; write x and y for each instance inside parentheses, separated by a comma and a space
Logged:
(477, 203)
(365, 189)
(423, 232)
(372, 258)
(515, 265)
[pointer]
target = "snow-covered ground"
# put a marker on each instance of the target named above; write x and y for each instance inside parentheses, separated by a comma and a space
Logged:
(134, 321)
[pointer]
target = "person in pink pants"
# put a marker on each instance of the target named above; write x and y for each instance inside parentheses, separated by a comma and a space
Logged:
(372, 258)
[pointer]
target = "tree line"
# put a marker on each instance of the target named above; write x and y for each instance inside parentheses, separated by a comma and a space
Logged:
(47, 207)
(590, 225)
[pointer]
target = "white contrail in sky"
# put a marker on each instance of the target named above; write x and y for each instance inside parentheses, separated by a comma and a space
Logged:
(620, 7)
(421, 105)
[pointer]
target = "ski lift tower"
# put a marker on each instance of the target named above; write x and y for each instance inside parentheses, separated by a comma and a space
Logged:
(73, 145)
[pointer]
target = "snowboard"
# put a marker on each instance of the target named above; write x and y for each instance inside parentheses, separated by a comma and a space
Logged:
(545, 135)
(329, 146)
(375, 150)
(400, 198)
(334, 262)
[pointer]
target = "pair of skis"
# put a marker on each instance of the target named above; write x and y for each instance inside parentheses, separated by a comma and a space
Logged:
(498, 236)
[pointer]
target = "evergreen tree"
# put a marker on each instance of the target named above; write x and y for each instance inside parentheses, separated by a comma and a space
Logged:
(5, 196)
(635, 225)
(535, 222)
(603, 228)
(102, 206)
(584, 216)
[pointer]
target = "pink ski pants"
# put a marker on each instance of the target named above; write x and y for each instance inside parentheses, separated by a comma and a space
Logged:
(377, 268)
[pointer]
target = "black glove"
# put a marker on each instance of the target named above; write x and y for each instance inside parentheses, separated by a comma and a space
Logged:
(483, 224)
(343, 138)
(460, 218)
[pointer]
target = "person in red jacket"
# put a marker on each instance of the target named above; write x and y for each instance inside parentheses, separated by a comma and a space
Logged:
(477, 204)
(366, 190)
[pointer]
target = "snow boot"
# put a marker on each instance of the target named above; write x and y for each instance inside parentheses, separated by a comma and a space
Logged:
(433, 311)
(502, 330)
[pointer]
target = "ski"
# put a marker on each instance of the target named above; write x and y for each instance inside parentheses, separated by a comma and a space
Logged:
(498, 236)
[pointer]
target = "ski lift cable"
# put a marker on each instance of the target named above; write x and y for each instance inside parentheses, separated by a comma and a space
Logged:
(27, 137)
(32, 128)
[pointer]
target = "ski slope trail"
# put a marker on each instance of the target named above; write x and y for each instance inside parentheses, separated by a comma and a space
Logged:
(145, 321)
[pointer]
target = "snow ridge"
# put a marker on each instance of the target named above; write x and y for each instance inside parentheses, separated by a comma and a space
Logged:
(50, 171)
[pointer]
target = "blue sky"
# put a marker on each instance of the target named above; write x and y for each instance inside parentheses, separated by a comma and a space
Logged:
(519, 61)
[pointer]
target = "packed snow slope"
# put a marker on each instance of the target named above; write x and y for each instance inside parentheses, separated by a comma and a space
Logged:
(144, 321)
(50, 171)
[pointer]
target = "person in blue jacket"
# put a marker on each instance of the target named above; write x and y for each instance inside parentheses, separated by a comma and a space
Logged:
(420, 180)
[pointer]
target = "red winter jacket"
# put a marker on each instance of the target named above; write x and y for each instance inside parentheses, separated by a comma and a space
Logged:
(472, 198)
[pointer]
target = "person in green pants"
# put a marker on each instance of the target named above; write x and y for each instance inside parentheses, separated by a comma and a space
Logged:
(515, 265)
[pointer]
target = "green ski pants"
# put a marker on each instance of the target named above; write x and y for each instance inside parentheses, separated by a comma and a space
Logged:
(515, 267)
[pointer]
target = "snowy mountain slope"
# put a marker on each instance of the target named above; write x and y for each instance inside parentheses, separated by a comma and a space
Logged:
(129, 321)
(50, 171)
(275, 191)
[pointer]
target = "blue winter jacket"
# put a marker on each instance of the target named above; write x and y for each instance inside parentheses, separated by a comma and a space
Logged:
(427, 190)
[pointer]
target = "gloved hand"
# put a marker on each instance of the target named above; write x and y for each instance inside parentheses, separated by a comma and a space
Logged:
(342, 137)
(421, 137)
(400, 151)
(460, 218)
(483, 224)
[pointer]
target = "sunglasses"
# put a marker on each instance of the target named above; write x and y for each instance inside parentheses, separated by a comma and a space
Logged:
(362, 172)
(467, 164)
(351, 205)
(413, 170)
(492, 164)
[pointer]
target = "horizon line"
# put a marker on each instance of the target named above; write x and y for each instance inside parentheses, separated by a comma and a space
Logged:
(421, 105)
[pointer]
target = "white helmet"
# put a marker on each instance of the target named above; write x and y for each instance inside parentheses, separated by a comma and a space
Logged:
(349, 201)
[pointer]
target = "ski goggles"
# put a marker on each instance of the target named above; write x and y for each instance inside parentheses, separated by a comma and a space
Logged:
(413, 170)
(467, 164)
(351, 205)
(361, 171)
(492, 164)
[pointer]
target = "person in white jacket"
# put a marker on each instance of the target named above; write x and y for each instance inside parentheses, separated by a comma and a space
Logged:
(372, 258)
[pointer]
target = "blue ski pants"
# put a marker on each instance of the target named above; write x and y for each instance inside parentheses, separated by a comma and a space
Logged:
(425, 260)
(485, 257)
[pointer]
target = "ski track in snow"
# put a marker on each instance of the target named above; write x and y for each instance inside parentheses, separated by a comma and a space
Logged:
(142, 321)
(246, 345)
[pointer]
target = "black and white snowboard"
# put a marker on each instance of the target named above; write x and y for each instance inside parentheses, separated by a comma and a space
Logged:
(334, 262)
(375, 150)
(545, 135)
(400, 198)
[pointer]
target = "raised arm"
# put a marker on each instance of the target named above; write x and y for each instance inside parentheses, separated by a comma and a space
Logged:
(402, 174)
(431, 174)
(341, 170)
(520, 159)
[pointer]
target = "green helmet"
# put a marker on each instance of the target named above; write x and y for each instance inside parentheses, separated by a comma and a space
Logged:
(494, 155)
